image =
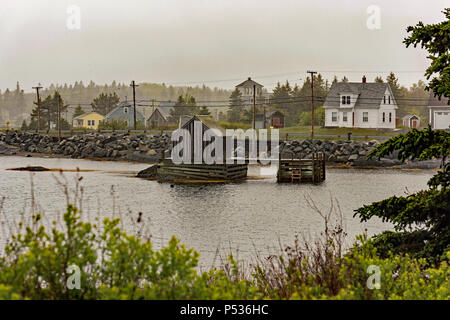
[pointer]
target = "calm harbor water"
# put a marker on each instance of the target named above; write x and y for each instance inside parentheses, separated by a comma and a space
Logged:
(254, 214)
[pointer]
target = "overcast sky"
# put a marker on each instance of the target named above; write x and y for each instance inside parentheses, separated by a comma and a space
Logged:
(216, 42)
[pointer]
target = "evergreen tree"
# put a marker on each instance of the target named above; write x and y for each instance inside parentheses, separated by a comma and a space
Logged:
(204, 111)
(104, 103)
(435, 39)
(185, 105)
(379, 79)
(236, 107)
(49, 110)
(78, 111)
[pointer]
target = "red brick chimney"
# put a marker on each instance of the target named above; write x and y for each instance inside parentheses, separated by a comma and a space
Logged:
(364, 79)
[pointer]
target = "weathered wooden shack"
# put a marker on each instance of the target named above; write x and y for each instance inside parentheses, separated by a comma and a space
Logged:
(194, 166)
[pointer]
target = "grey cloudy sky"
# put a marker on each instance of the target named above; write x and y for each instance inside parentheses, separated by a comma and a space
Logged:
(210, 41)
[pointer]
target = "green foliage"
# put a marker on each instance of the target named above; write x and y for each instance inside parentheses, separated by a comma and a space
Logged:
(234, 125)
(104, 103)
(112, 264)
(185, 105)
(435, 38)
(40, 264)
(49, 111)
(114, 124)
(78, 111)
(236, 106)
(416, 144)
(426, 212)
(24, 125)
(319, 117)
(204, 111)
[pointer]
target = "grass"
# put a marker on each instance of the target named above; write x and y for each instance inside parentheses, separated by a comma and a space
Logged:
(339, 131)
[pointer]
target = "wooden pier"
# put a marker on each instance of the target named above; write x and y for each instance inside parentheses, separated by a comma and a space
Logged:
(302, 170)
(202, 172)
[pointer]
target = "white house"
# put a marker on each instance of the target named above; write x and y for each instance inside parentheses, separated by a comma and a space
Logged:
(360, 105)
(246, 88)
(439, 112)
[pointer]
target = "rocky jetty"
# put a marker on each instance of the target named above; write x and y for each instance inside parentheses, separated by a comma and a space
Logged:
(140, 148)
(339, 151)
(149, 148)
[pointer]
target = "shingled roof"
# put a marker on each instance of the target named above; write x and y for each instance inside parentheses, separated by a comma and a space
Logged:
(249, 83)
(370, 94)
(435, 101)
(165, 107)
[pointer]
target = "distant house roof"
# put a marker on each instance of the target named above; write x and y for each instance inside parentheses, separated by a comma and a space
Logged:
(249, 83)
(84, 115)
(435, 101)
(271, 113)
(409, 116)
(114, 113)
(370, 94)
(165, 107)
(259, 117)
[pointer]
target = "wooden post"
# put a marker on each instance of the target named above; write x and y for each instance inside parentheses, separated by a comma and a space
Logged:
(38, 125)
(59, 118)
(312, 102)
(254, 107)
(134, 101)
(313, 168)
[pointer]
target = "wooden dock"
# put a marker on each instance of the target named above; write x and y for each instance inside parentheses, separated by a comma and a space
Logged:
(302, 170)
(202, 172)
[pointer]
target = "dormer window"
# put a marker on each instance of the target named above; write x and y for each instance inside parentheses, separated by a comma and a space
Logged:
(345, 100)
(125, 110)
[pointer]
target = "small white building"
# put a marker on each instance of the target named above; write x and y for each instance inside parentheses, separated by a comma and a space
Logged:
(439, 112)
(246, 88)
(360, 105)
(411, 121)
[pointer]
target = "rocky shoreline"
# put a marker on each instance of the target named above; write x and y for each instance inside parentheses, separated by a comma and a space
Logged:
(148, 149)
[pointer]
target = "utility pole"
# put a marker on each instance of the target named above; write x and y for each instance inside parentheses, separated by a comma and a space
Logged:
(312, 102)
(134, 101)
(59, 118)
(264, 116)
(38, 127)
(254, 106)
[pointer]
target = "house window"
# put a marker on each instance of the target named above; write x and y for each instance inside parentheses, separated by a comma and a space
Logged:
(125, 110)
(343, 99)
(384, 117)
(384, 99)
(390, 117)
(365, 117)
(92, 122)
(344, 116)
(334, 116)
(89, 122)
(348, 99)
(389, 99)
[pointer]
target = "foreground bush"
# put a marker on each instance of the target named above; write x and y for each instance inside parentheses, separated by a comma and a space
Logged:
(37, 264)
